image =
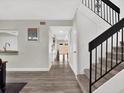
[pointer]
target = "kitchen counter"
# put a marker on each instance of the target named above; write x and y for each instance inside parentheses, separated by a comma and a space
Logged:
(9, 52)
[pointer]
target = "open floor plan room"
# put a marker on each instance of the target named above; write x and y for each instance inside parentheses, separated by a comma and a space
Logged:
(61, 46)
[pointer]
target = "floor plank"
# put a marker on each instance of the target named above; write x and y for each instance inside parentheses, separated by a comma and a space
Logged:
(60, 79)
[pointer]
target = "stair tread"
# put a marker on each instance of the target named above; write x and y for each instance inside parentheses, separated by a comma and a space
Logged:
(84, 83)
(121, 43)
(113, 72)
(117, 69)
(114, 52)
(98, 83)
(119, 48)
(114, 55)
(107, 76)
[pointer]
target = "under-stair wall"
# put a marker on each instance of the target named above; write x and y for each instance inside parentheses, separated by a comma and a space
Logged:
(114, 85)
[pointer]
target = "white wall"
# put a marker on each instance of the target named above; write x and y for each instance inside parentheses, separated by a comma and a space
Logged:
(73, 49)
(121, 91)
(33, 55)
(89, 26)
(114, 85)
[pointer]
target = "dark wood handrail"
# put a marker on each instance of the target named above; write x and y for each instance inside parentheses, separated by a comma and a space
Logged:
(105, 35)
(112, 5)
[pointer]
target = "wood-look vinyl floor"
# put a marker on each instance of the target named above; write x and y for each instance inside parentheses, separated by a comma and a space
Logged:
(60, 79)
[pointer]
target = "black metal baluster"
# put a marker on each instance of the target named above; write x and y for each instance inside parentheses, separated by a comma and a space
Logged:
(98, 8)
(92, 5)
(118, 17)
(101, 8)
(110, 15)
(115, 17)
(95, 64)
(117, 48)
(106, 54)
(85, 2)
(104, 10)
(101, 59)
(122, 41)
(90, 88)
(107, 12)
(88, 3)
(111, 51)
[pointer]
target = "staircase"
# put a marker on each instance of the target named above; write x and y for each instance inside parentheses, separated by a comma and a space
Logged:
(105, 9)
(83, 79)
(106, 50)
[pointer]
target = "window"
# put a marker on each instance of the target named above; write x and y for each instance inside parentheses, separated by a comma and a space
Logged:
(33, 34)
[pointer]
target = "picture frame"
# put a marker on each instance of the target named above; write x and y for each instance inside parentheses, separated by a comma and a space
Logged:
(33, 34)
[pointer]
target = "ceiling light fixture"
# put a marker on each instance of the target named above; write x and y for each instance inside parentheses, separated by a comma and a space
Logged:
(61, 31)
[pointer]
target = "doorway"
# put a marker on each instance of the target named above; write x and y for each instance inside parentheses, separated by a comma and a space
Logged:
(63, 51)
(59, 44)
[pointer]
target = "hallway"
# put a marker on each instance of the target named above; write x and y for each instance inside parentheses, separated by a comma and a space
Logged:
(60, 79)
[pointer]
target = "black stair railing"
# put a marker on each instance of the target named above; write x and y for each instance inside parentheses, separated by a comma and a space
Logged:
(102, 52)
(104, 9)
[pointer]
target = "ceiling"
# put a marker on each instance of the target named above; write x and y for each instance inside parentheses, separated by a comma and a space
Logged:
(38, 9)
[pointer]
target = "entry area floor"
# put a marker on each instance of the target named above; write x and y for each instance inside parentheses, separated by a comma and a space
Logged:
(60, 79)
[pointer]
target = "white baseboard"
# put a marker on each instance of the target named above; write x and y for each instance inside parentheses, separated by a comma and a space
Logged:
(50, 65)
(27, 69)
(73, 70)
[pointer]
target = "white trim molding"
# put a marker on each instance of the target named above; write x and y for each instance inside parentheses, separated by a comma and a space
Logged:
(73, 70)
(27, 69)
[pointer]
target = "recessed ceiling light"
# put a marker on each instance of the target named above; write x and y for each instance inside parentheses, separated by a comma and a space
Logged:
(61, 31)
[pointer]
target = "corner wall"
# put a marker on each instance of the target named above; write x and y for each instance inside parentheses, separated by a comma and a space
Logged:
(88, 26)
